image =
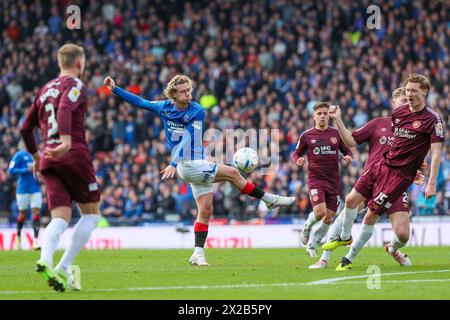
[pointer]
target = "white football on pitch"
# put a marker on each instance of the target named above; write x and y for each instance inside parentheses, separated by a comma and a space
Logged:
(246, 160)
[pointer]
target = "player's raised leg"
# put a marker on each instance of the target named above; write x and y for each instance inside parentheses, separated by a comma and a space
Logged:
(400, 224)
(366, 232)
(205, 209)
(347, 219)
(232, 175)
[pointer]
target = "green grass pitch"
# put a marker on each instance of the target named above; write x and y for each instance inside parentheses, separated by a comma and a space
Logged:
(234, 274)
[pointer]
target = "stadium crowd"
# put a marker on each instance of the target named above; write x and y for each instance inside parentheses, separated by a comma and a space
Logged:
(256, 64)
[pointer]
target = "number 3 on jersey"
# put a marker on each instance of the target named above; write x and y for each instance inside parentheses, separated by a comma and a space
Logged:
(52, 124)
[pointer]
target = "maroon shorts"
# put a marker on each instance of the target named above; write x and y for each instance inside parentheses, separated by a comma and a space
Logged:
(317, 196)
(401, 204)
(74, 182)
(384, 189)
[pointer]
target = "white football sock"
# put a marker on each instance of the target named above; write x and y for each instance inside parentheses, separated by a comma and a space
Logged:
(52, 234)
(198, 250)
(395, 245)
(325, 255)
(81, 234)
(362, 238)
(336, 228)
(310, 221)
(318, 234)
(347, 222)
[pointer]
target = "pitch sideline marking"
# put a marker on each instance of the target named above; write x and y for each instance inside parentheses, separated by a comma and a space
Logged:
(334, 280)
(331, 281)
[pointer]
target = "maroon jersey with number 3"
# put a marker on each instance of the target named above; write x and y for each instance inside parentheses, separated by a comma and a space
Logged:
(59, 109)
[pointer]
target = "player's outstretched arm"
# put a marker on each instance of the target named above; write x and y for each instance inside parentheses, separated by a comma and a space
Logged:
(346, 135)
(436, 150)
(131, 98)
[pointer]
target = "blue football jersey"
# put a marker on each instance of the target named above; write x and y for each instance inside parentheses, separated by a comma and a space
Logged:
(183, 128)
(19, 167)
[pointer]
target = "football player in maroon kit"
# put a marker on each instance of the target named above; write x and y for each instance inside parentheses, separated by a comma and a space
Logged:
(378, 134)
(322, 144)
(417, 129)
(66, 166)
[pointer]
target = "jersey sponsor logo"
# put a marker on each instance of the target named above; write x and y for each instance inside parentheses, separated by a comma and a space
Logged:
(74, 94)
(324, 150)
(403, 133)
(333, 140)
(197, 125)
(416, 124)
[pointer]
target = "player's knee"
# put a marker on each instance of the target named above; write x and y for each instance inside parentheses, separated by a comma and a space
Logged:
(350, 202)
(328, 219)
(234, 173)
(206, 211)
(321, 214)
(402, 235)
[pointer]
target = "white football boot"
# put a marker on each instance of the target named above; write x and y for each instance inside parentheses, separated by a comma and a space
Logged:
(279, 201)
(321, 264)
(198, 259)
(401, 258)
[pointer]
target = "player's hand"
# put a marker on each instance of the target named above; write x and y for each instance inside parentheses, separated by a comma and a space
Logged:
(347, 160)
(56, 153)
(430, 190)
(301, 161)
(169, 172)
(36, 165)
(419, 179)
(423, 167)
(334, 111)
(110, 83)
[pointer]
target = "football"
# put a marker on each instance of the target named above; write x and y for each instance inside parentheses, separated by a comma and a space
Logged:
(246, 160)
